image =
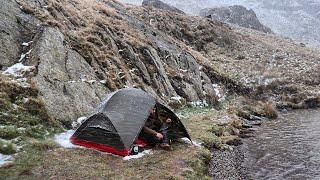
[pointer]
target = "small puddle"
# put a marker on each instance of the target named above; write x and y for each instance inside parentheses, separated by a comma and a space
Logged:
(286, 148)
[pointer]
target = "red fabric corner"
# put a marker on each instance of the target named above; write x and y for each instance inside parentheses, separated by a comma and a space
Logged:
(99, 147)
(140, 142)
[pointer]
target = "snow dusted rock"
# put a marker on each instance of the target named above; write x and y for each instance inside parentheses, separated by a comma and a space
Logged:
(236, 14)
(18, 70)
(59, 71)
(80, 120)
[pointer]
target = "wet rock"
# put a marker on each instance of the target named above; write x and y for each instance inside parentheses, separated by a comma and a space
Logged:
(312, 102)
(247, 126)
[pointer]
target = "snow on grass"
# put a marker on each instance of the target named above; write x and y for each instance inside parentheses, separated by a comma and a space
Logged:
(176, 98)
(194, 143)
(79, 121)
(21, 81)
(4, 159)
(17, 70)
(63, 139)
(199, 103)
(139, 155)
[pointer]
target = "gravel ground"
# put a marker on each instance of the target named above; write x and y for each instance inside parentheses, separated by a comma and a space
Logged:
(227, 164)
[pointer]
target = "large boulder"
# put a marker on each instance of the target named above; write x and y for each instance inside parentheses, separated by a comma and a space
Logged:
(67, 84)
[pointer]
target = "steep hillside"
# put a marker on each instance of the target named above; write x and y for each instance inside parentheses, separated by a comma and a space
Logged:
(60, 58)
(81, 50)
(298, 20)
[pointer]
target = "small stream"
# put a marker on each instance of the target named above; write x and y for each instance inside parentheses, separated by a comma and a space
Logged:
(286, 148)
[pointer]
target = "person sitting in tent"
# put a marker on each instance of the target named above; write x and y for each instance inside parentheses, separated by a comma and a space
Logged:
(155, 130)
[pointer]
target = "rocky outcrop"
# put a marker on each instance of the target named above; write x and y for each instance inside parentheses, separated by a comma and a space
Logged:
(79, 56)
(16, 28)
(9, 32)
(236, 14)
(161, 5)
(72, 77)
(67, 83)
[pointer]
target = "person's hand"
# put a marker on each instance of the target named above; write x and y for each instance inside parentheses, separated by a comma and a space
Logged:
(159, 136)
(168, 120)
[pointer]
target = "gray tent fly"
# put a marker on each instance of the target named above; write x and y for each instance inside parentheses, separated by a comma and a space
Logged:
(116, 124)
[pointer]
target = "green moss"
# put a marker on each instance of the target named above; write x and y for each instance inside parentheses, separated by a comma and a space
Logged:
(43, 145)
(8, 132)
(217, 130)
(200, 165)
(23, 164)
(7, 147)
(35, 131)
(212, 141)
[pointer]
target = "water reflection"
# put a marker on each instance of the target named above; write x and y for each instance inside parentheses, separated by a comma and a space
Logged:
(287, 148)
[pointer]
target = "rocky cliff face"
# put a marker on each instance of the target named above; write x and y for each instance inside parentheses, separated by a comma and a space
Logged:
(81, 55)
(236, 14)
(75, 52)
(160, 5)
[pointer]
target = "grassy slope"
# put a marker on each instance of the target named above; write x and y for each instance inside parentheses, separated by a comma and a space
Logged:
(42, 159)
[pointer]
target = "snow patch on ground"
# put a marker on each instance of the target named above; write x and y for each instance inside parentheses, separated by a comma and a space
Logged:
(26, 43)
(194, 143)
(176, 98)
(17, 70)
(4, 159)
(199, 103)
(23, 55)
(79, 121)
(218, 92)
(143, 153)
(63, 139)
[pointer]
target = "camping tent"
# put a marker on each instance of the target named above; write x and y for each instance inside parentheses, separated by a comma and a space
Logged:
(116, 124)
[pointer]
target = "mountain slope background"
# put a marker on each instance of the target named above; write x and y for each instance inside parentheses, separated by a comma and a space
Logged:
(298, 20)
(60, 58)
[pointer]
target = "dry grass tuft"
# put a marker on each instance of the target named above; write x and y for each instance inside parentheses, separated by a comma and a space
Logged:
(270, 110)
